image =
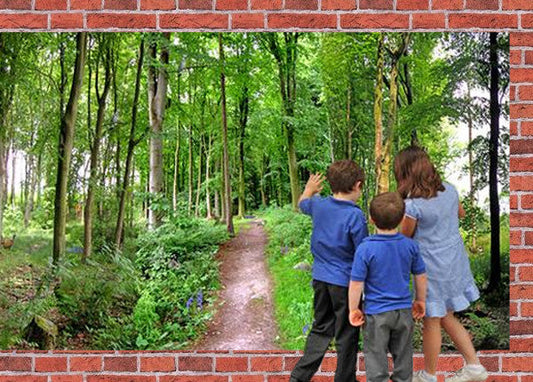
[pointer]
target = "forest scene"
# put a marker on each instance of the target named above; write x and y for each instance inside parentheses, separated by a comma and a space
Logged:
(149, 181)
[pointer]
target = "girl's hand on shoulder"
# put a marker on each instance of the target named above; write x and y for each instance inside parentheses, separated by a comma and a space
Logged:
(357, 318)
(419, 309)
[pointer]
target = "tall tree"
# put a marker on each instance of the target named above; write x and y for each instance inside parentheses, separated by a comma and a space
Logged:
(157, 97)
(66, 140)
(104, 56)
(378, 107)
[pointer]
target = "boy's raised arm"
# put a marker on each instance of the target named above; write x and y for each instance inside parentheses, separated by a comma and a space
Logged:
(419, 305)
(355, 291)
(313, 186)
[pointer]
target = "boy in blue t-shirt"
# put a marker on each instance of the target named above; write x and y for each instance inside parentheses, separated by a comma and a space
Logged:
(383, 264)
(338, 227)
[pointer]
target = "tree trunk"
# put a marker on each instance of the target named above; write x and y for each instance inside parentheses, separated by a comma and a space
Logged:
(132, 142)
(189, 205)
(243, 120)
(378, 107)
(495, 266)
(472, 195)
(12, 180)
(349, 134)
(207, 175)
(176, 169)
(199, 178)
(66, 140)
(95, 147)
(227, 184)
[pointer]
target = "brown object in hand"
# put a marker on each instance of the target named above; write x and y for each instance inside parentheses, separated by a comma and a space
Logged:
(8, 243)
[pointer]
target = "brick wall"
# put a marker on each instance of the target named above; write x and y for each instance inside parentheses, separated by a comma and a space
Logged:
(515, 16)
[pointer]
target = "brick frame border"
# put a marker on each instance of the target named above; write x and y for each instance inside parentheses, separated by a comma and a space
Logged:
(514, 16)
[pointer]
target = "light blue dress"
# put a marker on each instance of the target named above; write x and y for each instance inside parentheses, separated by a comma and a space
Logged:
(451, 286)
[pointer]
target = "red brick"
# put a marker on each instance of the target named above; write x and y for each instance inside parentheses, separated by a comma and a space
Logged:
(525, 93)
(195, 4)
(50, 5)
(329, 364)
(521, 75)
(429, 20)
(67, 378)
(482, 20)
(280, 378)
(522, 146)
(515, 57)
(231, 364)
(513, 309)
(502, 378)
(518, 292)
(66, 20)
(512, 273)
(158, 4)
(450, 363)
(526, 201)
(192, 378)
(403, 5)
(345, 5)
(322, 378)
(526, 128)
(232, 4)
(528, 236)
(194, 21)
(518, 39)
(23, 20)
(375, 4)
(158, 364)
(513, 126)
(525, 273)
(247, 378)
(521, 183)
(447, 5)
(515, 237)
(517, 4)
(247, 21)
(521, 164)
(10, 363)
(482, 4)
(299, 20)
(311, 5)
(86, 4)
(50, 364)
(120, 20)
(85, 363)
(521, 219)
(120, 4)
(267, 4)
(15, 4)
(120, 363)
(515, 364)
(520, 327)
(23, 378)
(121, 378)
(195, 363)
(375, 21)
(521, 256)
(490, 363)
(266, 363)
(527, 20)
(290, 362)
(521, 345)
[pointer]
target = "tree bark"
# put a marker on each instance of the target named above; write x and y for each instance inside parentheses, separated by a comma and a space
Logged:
(227, 185)
(495, 110)
(378, 107)
(157, 96)
(132, 142)
(199, 178)
(66, 140)
(189, 205)
(209, 214)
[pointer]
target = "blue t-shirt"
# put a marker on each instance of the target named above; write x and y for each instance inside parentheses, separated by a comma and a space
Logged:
(385, 263)
(338, 228)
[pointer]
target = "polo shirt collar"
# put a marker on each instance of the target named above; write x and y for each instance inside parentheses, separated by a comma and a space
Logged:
(381, 237)
(342, 201)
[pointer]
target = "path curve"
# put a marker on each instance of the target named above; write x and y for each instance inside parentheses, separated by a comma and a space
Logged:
(244, 319)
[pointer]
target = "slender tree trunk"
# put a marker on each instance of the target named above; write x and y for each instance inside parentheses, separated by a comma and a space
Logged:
(132, 142)
(227, 184)
(199, 177)
(66, 140)
(472, 195)
(243, 120)
(216, 206)
(189, 206)
(12, 180)
(207, 175)
(349, 134)
(176, 169)
(157, 96)
(495, 110)
(378, 107)
(95, 151)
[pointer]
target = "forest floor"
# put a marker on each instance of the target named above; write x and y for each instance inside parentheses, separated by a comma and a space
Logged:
(244, 318)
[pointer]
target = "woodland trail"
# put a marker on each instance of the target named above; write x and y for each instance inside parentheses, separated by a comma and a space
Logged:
(244, 319)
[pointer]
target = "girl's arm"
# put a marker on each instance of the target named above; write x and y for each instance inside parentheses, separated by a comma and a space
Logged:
(462, 212)
(408, 226)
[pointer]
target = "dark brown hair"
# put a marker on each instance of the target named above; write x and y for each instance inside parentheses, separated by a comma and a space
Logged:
(387, 210)
(415, 174)
(343, 175)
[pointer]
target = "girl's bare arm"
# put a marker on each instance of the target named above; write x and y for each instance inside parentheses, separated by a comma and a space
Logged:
(408, 226)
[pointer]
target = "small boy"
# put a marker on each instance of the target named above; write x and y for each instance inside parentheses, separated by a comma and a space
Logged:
(383, 264)
(338, 227)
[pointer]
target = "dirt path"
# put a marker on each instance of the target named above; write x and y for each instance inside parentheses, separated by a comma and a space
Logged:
(244, 319)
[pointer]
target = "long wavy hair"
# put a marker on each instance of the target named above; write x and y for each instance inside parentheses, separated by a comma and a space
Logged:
(415, 174)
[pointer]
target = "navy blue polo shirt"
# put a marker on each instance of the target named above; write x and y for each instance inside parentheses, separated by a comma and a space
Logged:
(385, 263)
(338, 228)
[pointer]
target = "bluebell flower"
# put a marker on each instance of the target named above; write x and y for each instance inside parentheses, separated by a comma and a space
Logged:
(189, 302)
(305, 329)
(200, 299)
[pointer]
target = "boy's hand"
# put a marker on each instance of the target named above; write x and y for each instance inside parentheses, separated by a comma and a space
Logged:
(357, 318)
(314, 184)
(419, 309)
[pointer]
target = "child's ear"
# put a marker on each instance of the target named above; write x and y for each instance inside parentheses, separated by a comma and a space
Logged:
(358, 186)
(371, 220)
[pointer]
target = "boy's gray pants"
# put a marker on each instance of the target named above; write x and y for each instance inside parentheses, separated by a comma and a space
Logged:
(389, 332)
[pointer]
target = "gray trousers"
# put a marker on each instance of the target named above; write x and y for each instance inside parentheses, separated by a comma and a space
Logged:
(389, 332)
